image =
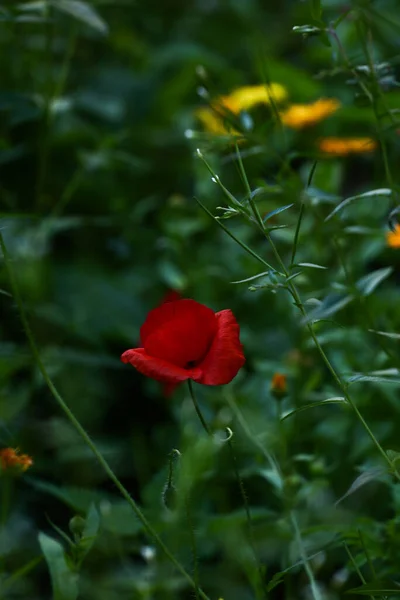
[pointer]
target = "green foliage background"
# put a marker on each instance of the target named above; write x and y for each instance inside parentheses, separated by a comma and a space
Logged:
(98, 174)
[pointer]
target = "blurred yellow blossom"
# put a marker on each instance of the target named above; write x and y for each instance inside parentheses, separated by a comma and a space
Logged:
(343, 146)
(11, 458)
(214, 118)
(214, 122)
(248, 96)
(298, 116)
(393, 237)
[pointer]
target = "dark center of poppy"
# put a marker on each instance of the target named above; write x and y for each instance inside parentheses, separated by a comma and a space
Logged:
(190, 364)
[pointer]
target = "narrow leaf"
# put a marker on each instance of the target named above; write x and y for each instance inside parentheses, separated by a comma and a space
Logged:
(276, 212)
(252, 278)
(393, 336)
(338, 400)
(370, 194)
(363, 479)
(83, 12)
(329, 306)
(310, 265)
(380, 587)
(368, 283)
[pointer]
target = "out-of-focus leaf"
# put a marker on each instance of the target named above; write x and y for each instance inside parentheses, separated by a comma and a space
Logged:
(370, 194)
(316, 9)
(370, 282)
(329, 306)
(83, 12)
(276, 212)
(64, 581)
(384, 376)
(337, 400)
(380, 587)
(310, 265)
(370, 475)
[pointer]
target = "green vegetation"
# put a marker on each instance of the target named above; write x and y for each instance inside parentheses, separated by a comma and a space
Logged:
(243, 154)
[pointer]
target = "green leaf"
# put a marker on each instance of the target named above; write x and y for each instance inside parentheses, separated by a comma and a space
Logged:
(276, 212)
(393, 336)
(316, 9)
(329, 306)
(367, 284)
(90, 531)
(338, 400)
(265, 274)
(383, 376)
(379, 587)
(64, 581)
(370, 194)
(309, 265)
(83, 12)
(369, 475)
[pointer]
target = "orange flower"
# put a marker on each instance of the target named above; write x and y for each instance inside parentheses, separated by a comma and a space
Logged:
(393, 237)
(343, 146)
(11, 458)
(298, 116)
(279, 386)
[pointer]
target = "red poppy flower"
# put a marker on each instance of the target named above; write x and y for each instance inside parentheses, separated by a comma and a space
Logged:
(183, 340)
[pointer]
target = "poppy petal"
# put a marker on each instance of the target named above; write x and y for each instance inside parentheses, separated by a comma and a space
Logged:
(179, 332)
(157, 368)
(225, 357)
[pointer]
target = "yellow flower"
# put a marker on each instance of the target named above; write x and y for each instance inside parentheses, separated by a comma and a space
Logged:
(298, 116)
(393, 237)
(213, 123)
(10, 458)
(343, 146)
(215, 118)
(279, 386)
(248, 96)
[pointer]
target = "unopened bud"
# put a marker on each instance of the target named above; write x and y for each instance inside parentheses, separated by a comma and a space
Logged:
(279, 386)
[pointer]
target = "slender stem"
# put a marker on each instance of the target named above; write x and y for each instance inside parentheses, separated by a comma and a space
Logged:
(194, 547)
(307, 567)
(76, 424)
(260, 591)
(356, 567)
(296, 297)
(197, 408)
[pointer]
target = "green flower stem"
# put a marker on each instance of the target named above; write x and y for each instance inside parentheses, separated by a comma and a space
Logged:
(197, 408)
(76, 424)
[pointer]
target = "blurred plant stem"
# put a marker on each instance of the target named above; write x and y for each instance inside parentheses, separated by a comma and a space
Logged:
(43, 149)
(84, 435)
(6, 484)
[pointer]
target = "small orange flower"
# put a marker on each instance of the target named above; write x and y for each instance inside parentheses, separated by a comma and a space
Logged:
(344, 146)
(279, 385)
(10, 458)
(298, 116)
(393, 237)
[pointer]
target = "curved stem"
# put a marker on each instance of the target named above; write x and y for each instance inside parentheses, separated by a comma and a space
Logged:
(197, 408)
(84, 435)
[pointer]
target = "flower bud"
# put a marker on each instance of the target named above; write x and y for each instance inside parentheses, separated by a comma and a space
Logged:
(77, 527)
(279, 386)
